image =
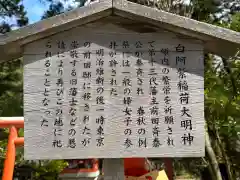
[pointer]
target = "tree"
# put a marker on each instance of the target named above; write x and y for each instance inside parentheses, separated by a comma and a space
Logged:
(54, 9)
(12, 9)
(57, 7)
(11, 73)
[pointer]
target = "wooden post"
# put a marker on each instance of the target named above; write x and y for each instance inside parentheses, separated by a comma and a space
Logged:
(113, 169)
(169, 167)
(10, 155)
(13, 123)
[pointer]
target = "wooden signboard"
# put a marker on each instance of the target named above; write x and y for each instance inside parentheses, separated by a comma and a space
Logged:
(113, 94)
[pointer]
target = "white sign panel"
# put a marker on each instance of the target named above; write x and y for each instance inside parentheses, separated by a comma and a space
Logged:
(113, 96)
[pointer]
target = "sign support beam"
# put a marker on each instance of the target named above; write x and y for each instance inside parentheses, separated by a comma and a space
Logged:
(113, 169)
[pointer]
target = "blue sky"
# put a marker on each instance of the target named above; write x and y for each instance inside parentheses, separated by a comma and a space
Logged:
(36, 8)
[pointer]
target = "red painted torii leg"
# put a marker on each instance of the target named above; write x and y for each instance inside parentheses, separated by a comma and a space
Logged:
(13, 142)
(135, 166)
(10, 155)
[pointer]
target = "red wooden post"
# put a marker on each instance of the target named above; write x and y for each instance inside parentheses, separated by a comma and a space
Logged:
(13, 142)
(10, 155)
(169, 168)
(135, 166)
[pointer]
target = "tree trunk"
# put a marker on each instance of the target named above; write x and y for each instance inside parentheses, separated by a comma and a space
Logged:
(212, 158)
(225, 157)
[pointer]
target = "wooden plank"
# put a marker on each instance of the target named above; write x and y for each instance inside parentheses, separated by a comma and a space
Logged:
(113, 169)
(150, 123)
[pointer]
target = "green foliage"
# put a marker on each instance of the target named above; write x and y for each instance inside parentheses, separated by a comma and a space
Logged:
(222, 106)
(49, 170)
(235, 25)
(203, 9)
(222, 101)
(11, 91)
(54, 9)
(57, 7)
(12, 9)
(214, 12)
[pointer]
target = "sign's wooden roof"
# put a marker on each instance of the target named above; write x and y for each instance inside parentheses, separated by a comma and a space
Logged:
(217, 40)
